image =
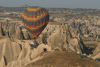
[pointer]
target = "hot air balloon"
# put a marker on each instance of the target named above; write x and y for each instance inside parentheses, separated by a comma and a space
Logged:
(35, 19)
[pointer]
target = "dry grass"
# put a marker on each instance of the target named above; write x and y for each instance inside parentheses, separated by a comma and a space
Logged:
(64, 59)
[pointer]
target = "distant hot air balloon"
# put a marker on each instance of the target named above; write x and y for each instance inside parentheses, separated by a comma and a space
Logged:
(35, 20)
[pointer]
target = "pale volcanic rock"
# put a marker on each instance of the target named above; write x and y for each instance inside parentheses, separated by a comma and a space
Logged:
(1, 30)
(10, 50)
(26, 35)
(55, 39)
(39, 49)
(96, 56)
(96, 53)
(30, 36)
(75, 45)
(50, 28)
(59, 37)
(19, 34)
(40, 38)
(12, 31)
(73, 32)
(28, 55)
(2, 62)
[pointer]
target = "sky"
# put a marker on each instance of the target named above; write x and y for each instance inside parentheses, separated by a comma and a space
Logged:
(94, 4)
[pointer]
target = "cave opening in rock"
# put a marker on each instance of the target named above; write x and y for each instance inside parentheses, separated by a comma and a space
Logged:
(45, 49)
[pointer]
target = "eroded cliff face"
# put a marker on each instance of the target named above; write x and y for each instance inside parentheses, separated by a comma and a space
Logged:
(19, 34)
(59, 37)
(1, 30)
(9, 50)
(12, 31)
(16, 52)
(19, 52)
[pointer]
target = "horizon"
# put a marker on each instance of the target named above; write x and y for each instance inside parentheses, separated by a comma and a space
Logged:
(85, 4)
(51, 7)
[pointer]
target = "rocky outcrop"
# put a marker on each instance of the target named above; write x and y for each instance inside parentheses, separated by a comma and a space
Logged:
(76, 45)
(9, 51)
(12, 31)
(96, 53)
(1, 30)
(72, 31)
(30, 36)
(3, 62)
(65, 39)
(40, 38)
(19, 34)
(26, 35)
(97, 50)
(18, 52)
(60, 37)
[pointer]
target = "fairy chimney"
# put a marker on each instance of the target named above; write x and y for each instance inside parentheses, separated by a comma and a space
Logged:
(11, 31)
(19, 34)
(26, 35)
(59, 38)
(1, 30)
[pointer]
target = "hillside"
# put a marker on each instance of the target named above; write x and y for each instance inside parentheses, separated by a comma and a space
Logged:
(63, 59)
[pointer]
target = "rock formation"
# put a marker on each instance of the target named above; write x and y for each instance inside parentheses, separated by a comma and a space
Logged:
(30, 36)
(65, 39)
(8, 51)
(3, 62)
(72, 30)
(19, 34)
(1, 30)
(7, 34)
(11, 31)
(68, 34)
(76, 45)
(96, 53)
(44, 38)
(19, 52)
(60, 37)
(26, 35)
(40, 38)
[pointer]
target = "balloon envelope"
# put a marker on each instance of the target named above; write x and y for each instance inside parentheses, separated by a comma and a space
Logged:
(35, 20)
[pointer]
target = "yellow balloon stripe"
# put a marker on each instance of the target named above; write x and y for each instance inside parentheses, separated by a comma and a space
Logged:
(34, 19)
(33, 9)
